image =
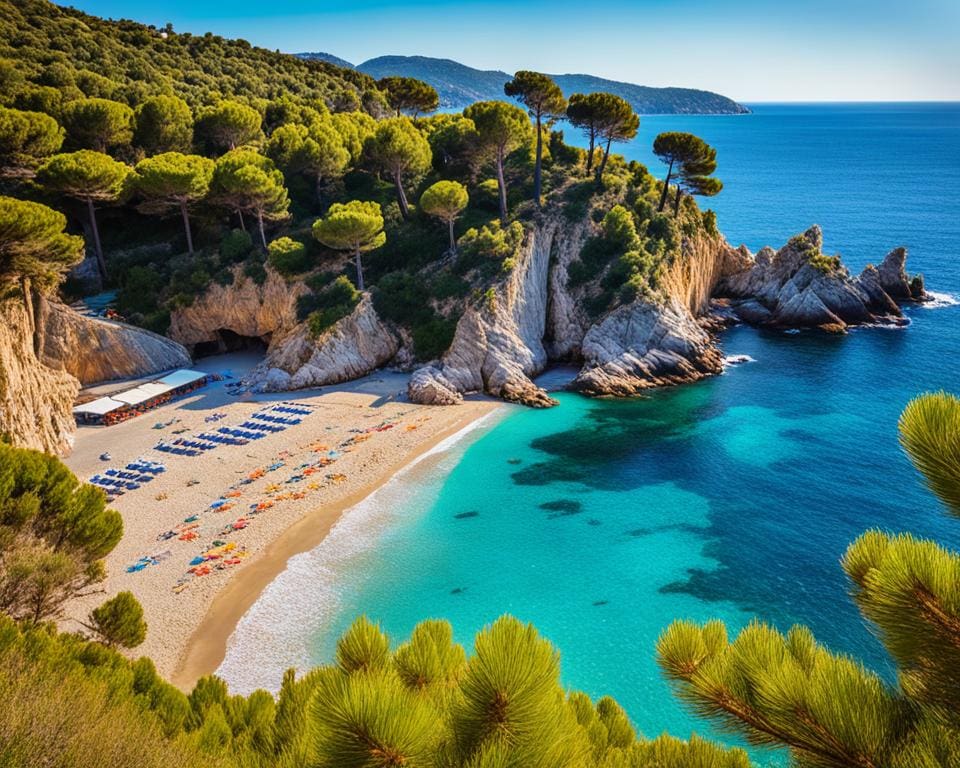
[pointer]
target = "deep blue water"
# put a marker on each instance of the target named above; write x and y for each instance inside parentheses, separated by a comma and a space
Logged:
(602, 521)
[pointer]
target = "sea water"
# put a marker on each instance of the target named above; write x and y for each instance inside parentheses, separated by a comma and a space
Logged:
(734, 498)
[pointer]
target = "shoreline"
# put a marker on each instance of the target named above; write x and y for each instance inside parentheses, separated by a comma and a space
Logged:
(204, 538)
(206, 648)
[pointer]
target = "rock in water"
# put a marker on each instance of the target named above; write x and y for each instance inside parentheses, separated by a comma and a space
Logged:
(895, 281)
(645, 345)
(799, 287)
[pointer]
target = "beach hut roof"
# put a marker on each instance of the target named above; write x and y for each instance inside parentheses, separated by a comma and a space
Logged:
(136, 395)
(181, 377)
(99, 407)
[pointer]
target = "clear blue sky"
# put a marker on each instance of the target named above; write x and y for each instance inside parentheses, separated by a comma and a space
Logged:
(777, 50)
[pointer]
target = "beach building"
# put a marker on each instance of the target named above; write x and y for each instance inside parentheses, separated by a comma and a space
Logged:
(140, 399)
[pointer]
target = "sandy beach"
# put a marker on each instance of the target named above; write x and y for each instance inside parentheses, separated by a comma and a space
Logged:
(205, 537)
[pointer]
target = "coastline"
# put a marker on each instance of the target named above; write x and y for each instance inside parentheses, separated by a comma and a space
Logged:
(206, 649)
(367, 426)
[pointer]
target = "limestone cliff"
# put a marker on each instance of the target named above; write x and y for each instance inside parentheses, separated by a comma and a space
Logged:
(35, 401)
(534, 317)
(243, 308)
(94, 350)
(356, 345)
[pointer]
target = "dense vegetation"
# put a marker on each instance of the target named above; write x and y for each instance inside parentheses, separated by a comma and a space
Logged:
(175, 186)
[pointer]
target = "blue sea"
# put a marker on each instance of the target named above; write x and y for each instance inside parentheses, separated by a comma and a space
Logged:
(734, 498)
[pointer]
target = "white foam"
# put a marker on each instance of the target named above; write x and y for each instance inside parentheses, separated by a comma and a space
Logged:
(277, 632)
(939, 300)
(738, 359)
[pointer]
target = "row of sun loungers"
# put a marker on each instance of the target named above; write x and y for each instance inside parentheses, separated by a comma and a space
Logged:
(118, 481)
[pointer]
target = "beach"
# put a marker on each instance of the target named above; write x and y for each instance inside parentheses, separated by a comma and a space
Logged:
(203, 538)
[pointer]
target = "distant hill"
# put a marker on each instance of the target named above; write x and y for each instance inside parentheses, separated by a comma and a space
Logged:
(327, 57)
(460, 85)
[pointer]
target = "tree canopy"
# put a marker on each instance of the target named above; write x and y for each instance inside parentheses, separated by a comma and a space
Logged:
(53, 533)
(583, 112)
(316, 151)
(399, 149)
(119, 621)
(407, 94)
(33, 244)
(98, 124)
(228, 125)
(616, 121)
(501, 129)
(356, 227)
(445, 200)
(247, 182)
(26, 139)
(163, 124)
(684, 154)
(173, 181)
(89, 177)
(545, 102)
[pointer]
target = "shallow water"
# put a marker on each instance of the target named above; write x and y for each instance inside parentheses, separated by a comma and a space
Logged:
(601, 521)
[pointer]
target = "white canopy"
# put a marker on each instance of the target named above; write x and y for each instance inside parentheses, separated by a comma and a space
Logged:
(99, 407)
(181, 377)
(135, 396)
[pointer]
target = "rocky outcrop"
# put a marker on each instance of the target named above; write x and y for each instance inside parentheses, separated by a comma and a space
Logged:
(498, 346)
(35, 401)
(799, 287)
(355, 346)
(94, 350)
(429, 386)
(645, 345)
(243, 307)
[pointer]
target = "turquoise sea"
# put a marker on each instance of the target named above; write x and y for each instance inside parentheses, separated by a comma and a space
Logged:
(601, 521)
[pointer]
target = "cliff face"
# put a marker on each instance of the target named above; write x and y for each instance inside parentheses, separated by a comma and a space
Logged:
(94, 350)
(535, 318)
(35, 401)
(243, 308)
(356, 345)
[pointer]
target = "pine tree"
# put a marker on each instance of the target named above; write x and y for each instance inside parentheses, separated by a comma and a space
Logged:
(98, 124)
(119, 621)
(828, 709)
(316, 151)
(89, 177)
(407, 94)
(545, 102)
(399, 149)
(26, 139)
(172, 181)
(356, 227)
(501, 129)
(445, 200)
(163, 124)
(247, 182)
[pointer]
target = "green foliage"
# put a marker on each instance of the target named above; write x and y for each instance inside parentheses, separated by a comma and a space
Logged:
(26, 139)
(406, 299)
(288, 256)
(354, 226)
(333, 303)
(119, 621)
(407, 94)
(163, 124)
(53, 533)
(930, 435)
(246, 181)
(487, 247)
(453, 140)
(236, 246)
(33, 244)
(171, 179)
(445, 200)
(84, 175)
(399, 149)
(786, 690)
(316, 151)
(98, 124)
(228, 125)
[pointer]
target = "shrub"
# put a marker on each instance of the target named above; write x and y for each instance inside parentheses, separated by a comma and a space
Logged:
(333, 303)
(235, 246)
(288, 257)
(432, 338)
(488, 246)
(255, 270)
